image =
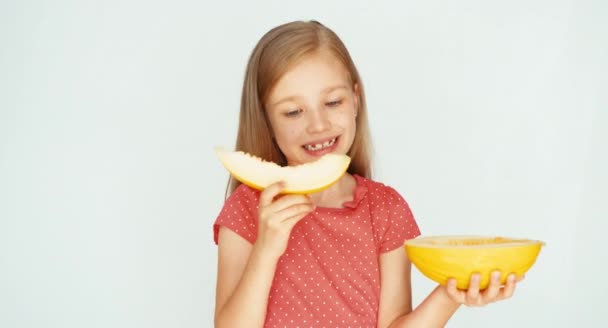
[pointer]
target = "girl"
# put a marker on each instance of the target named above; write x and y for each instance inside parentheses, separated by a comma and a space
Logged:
(333, 258)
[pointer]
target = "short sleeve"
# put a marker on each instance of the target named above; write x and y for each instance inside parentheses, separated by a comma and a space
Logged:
(239, 214)
(397, 223)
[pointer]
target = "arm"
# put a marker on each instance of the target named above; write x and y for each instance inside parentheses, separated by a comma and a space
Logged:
(396, 297)
(243, 282)
(245, 271)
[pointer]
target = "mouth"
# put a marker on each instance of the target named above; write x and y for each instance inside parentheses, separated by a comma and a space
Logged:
(321, 146)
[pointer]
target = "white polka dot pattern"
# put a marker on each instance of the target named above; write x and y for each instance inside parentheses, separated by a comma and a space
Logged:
(329, 274)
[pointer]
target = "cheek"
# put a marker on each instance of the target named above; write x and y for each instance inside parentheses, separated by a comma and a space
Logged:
(286, 135)
(345, 117)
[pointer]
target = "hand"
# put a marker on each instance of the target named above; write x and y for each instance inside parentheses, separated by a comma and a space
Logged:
(278, 217)
(474, 297)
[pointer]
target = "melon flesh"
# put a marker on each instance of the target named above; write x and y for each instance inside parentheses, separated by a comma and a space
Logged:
(442, 257)
(301, 179)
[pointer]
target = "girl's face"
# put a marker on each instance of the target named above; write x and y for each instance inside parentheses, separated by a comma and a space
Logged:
(312, 109)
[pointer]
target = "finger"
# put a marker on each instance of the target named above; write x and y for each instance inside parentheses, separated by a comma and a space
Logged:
(493, 289)
(268, 194)
(292, 221)
(453, 292)
(509, 288)
(473, 291)
(274, 217)
(293, 211)
(288, 201)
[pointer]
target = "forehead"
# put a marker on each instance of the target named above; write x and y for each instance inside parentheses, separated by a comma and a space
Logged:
(311, 76)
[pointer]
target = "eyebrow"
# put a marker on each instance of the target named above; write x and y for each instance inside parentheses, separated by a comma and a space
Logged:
(324, 91)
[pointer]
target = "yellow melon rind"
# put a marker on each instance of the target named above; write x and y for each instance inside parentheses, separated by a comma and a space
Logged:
(442, 257)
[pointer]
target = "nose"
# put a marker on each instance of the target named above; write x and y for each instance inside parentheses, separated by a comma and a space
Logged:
(318, 121)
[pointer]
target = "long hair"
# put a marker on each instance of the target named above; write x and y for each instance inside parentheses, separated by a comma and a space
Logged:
(277, 52)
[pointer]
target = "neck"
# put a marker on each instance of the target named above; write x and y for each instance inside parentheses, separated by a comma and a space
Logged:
(338, 193)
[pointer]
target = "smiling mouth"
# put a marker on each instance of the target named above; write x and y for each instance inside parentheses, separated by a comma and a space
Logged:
(320, 146)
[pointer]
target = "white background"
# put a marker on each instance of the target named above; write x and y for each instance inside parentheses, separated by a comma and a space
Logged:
(490, 117)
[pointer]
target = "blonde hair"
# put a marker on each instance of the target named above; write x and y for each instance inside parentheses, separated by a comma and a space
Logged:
(276, 52)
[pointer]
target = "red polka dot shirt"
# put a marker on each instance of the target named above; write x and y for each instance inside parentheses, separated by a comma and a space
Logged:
(329, 275)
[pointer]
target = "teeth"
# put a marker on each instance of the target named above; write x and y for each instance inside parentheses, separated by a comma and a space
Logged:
(319, 146)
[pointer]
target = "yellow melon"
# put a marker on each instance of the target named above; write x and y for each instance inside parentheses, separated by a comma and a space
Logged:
(443, 257)
(300, 179)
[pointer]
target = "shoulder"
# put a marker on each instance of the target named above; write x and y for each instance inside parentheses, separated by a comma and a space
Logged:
(243, 191)
(392, 217)
(239, 213)
(378, 189)
(243, 197)
(385, 198)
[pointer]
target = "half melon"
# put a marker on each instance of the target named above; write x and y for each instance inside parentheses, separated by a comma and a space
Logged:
(443, 257)
(301, 179)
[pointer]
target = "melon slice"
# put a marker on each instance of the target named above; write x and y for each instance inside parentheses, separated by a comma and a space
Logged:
(301, 179)
(443, 257)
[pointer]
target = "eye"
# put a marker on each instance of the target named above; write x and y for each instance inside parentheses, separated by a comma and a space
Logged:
(293, 113)
(334, 103)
